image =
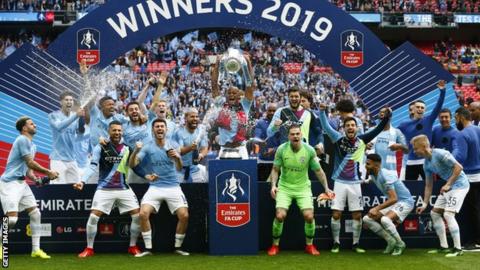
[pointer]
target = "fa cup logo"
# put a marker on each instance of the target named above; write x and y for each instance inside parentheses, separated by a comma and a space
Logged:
(352, 41)
(88, 39)
(232, 187)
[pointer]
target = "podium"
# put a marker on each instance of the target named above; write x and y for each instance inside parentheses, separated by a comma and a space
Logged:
(233, 207)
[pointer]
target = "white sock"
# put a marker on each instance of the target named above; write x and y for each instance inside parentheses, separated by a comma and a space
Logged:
(147, 238)
(134, 229)
(35, 226)
(375, 227)
(336, 226)
(92, 229)
(357, 230)
(12, 221)
(179, 240)
(453, 228)
(439, 227)
(387, 223)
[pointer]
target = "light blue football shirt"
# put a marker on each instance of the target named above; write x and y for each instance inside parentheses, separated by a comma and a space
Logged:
(382, 144)
(16, 168)
(387, 180)
(442, 163)
(64, 129)
(160, 163)
(185, 138)
(135, 133)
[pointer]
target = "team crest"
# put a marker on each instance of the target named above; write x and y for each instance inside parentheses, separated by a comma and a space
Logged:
(302, 160)
(233, 198)
(88, 46)
(352, 48)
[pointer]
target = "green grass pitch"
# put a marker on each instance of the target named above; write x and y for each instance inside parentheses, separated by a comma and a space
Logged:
(412, 259)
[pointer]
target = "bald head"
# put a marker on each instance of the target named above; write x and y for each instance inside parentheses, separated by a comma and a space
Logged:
(271, 108)
(474, 109)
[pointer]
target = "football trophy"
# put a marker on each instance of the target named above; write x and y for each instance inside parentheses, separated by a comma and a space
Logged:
(234, 65)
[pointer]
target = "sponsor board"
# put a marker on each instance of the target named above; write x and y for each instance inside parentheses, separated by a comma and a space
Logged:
(233, 198)
(106, 229)
(45, 230)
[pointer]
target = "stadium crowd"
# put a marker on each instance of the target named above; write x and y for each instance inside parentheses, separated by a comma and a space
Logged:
(44, 5)
(397, 6)
(285, 62)
(404, 6)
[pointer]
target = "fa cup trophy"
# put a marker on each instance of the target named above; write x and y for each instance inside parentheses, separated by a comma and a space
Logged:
(234, 65)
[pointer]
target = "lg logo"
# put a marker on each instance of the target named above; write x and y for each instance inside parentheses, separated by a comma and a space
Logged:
(61, 229)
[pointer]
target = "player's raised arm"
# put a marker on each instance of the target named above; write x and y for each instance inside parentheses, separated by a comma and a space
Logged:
(214, 78)
(370, 135)
(60, 125)
(143, 94)
(249, 89)
(436, 110)
(161, 83)
(332, 133)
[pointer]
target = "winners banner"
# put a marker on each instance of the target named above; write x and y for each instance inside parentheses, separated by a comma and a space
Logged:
(341, 41)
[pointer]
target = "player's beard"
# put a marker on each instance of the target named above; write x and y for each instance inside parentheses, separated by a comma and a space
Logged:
(192, 125)
(159, 136)
(295, 105)
(350, 135)
(135, 119)
(116, 140)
